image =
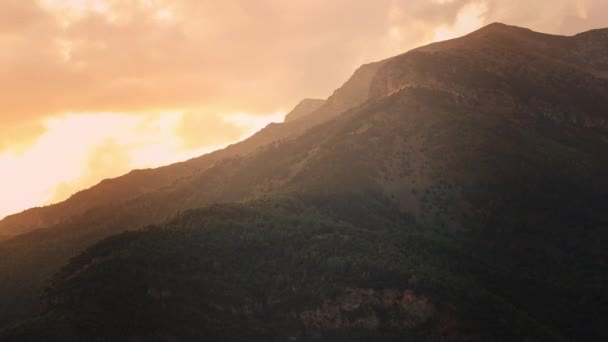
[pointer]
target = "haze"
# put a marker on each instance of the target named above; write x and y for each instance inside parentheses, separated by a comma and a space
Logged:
(93, 89)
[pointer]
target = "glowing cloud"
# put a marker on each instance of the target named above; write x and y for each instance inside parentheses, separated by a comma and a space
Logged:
(78, 150)
(469, 18)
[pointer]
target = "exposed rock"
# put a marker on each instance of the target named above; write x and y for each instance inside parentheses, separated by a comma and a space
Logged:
(369, 309)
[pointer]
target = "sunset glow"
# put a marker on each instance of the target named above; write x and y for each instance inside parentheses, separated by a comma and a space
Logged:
(95, 146)
(468, 19)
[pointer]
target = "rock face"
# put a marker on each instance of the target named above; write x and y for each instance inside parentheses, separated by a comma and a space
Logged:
(369, 309)
(304, 108)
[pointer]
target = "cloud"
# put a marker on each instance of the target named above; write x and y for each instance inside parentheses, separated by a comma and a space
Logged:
(203, 130)
(86, 56)
(19, 136)
(469, 17)
(107, 159)
(77, 150)
(258, 56)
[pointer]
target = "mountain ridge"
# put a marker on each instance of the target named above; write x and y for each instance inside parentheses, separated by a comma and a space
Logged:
(303, 108)
(365, 83)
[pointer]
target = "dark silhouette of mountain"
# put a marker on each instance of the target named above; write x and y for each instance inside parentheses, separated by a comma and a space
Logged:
(454, 192)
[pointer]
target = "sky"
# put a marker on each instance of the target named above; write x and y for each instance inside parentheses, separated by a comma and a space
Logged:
(90, 89)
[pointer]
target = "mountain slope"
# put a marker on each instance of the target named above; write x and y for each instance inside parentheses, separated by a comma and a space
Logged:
(139, 182)
(526, 71)
(443, 138)
(32, 254)
(304, 108)
(509, 55)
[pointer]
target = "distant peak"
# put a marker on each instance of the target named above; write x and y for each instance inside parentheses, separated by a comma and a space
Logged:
(307, 101)
(303, 108)
(496, 24)
(595, 32)
(500, 27)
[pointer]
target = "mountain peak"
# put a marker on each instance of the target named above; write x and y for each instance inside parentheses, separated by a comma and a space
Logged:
(303, 108)
(498, 28)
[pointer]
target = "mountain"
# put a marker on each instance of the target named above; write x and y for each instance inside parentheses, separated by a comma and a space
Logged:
(139, 182)
(518, 53)
(304, 108)
(454, 192)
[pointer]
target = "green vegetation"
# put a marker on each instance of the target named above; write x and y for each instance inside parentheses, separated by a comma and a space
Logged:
(236, 272)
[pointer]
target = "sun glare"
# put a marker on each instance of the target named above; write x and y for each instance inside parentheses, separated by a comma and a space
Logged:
(78, 150)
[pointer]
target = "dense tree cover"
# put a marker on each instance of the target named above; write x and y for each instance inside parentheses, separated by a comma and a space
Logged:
(236, 272)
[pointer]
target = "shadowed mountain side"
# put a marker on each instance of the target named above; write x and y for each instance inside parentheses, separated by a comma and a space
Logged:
(314, 277)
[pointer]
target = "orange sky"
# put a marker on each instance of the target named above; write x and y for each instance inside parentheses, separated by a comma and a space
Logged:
(93, 88)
